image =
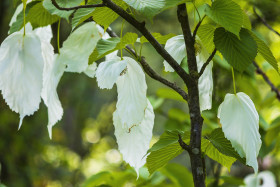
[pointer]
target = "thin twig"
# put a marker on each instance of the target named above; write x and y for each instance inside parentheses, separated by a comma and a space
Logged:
(150, 71)
(207, 62)
(197, 27)
(140, 26)
(76, 7)
(183, 144)
(265, 77)
(265, 22)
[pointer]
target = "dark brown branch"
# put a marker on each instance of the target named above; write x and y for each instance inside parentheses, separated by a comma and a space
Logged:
(76, 7)
(197, 27)
(265, 77)
(183, 144)
(265, 22)
(197, 161)
(207, 62)
(140, 26)
(151, 72)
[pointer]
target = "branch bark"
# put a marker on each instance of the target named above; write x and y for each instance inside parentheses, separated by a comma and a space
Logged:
(207, 62)
(267, 80)
(194, 107)
(76, 7)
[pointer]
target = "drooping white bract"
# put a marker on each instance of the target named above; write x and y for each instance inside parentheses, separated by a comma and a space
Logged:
(52, 74)
(21, 73)
(78, 47)
(91, 70)
(205, 82)
(132, 90)
(176, 47)
(109, 71)
(262, 179)
(134, 143)
(240, 124)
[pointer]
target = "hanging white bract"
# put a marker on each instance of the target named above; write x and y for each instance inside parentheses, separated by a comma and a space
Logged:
(240, 124)
(78, 47)
(177, 49)
(21, 73)
(262, 179)
(134, 143)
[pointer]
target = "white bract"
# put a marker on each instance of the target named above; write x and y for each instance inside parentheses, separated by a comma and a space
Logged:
(263, 179)
(134, 143)
(78, 47)
(132, 90)
(240, 124)
(21, 73)
(109, 71)
(52, 74)
(177, 49)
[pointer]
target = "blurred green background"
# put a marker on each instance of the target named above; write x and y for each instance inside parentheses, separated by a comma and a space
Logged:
(83, 151)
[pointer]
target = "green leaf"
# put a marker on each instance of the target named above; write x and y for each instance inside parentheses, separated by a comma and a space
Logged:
(168, 93)
(18, 24)
(226, 13)
(38, 16)
(160, 38)
(178, 174)
(266, 53)
(246, 21)
(273, 131)
(178, 114)
(80, 16)
(206, 35)
(62, 3)
(105, 47)
(212, 152)
(238, 53)
(147, 8)
(217, 138)
(165, 150)
(105, 16)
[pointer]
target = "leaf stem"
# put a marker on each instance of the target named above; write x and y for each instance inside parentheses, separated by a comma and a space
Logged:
(24, 20)
(122, 38)
(58, 34)
(233, 78)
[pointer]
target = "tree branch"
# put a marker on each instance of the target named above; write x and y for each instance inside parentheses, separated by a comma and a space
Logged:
(197, 27)
(76, 7)
(207, 62)
(265, 77)
(140, 26)
(184, 145)
(197, 162)
(265, 23)
(151, 72)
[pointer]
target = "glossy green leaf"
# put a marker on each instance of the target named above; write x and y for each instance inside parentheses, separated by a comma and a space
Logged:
(206, 36)
(165, 150)
(178, 174)
(38, 16)
(160, 38)
(81, 15)
(266, 53)
(18, 24)
(62, 3)
(238, 53)
(226, 13)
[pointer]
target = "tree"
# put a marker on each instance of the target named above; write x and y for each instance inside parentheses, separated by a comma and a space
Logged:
(227, 30)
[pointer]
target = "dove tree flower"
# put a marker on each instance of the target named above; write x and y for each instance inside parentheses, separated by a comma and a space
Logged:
(177, 48)
(21, 73)
(240, 123)
(262, 179)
